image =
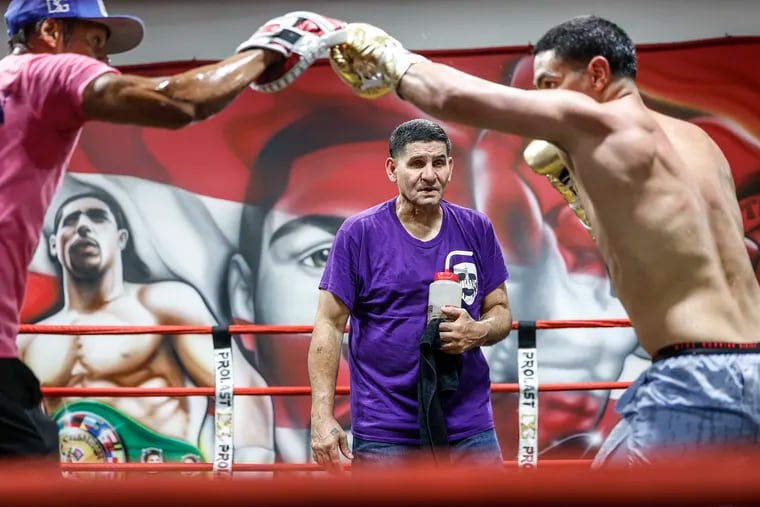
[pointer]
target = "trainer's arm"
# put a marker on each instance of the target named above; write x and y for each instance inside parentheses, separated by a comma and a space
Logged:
(496, 314)
(461, 333)
(175, 101)
(558, 116)
(324, 353)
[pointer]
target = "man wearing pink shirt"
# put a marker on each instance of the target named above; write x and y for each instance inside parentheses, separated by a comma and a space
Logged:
(55, 79)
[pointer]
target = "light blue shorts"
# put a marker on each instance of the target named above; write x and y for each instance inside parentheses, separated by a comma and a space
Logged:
(685, 404)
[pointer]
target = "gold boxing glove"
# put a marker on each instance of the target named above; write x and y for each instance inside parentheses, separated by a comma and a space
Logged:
(371, 62)
(544, 159)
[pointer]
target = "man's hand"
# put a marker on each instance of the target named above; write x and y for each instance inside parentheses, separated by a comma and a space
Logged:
(461, 333)
(300, 37)
(326, 438)
(371, 62)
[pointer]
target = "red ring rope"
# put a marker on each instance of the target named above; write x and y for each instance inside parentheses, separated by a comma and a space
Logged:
(134, 392)
(250, 467)
(269, 329)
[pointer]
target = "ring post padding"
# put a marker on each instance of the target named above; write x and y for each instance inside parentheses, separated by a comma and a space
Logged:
(223, 401)
(527, 381)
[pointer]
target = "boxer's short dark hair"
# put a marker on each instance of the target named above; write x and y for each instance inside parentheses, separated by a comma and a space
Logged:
(582, 38)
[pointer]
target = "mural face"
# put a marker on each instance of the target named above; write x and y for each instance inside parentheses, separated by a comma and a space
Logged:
(232, 220)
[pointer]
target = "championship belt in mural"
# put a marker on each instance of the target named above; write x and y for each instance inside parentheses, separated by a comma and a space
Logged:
(91, 431)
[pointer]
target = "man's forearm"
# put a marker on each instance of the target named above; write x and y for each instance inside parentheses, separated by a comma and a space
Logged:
(324, 361)
(449, 94)
(426, 85)
(499, 323)
(212, 87)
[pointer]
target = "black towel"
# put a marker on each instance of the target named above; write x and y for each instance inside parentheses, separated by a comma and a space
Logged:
(438, 380)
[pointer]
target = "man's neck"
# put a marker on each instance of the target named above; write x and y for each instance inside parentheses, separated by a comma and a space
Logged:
(620, 89)
(422, 222)
(88, 295)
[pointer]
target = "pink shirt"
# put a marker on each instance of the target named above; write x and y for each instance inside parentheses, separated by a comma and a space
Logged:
(41, 119)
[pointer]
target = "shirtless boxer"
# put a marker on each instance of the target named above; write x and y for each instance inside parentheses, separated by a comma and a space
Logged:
(660, 200)
(555, 274)
(55, 79)
(91, 243)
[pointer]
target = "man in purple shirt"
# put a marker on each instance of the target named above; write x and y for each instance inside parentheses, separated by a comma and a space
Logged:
(378, 273)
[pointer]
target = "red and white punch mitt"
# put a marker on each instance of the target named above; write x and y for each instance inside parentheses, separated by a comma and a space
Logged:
(301, 37)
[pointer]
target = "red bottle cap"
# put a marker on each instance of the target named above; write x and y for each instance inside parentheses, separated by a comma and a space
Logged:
(446, 275)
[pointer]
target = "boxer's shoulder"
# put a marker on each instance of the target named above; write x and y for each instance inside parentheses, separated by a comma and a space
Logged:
(168, 295)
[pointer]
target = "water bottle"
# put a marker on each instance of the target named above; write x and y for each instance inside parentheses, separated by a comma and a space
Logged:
(445, 290)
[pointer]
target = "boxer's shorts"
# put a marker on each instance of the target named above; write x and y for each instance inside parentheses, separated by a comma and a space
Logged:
(684, 404)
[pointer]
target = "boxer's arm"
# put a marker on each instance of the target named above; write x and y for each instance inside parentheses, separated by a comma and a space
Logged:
(175, 303)
(175, 101)
(22, 343)
(36, 350)
(372, 63)
(559, 116)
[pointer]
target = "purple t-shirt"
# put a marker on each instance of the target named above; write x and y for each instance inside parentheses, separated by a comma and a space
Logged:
(382, 274)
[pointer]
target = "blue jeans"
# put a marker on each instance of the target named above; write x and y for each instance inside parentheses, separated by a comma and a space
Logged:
(686, 404)
(480, 450)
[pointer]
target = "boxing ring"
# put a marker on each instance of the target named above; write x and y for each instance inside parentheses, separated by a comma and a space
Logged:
(523, 479)
(223, 393)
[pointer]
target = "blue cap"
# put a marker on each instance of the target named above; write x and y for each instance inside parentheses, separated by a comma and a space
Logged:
(126, 32)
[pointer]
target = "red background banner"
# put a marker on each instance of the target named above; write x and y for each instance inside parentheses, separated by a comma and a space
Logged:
(207, 202)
